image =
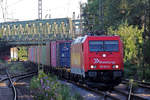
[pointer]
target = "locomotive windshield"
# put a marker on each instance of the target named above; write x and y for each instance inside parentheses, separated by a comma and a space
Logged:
(96, 45)
(107, 45)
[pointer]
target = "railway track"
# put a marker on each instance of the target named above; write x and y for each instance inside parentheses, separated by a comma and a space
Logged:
(141, 90)
(114, 94)
(24, 75)
(21, 86)
(12, 85)
(105, 94)
(140, 83)
(13, 79)
(129, 95)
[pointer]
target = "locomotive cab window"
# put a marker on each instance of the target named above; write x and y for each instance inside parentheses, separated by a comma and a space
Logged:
(110, 45)
(96, 45)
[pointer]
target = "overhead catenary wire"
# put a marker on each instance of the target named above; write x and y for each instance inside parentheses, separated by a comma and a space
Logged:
(15, 3)
(64, 9)
(6, 7)
(2, 8)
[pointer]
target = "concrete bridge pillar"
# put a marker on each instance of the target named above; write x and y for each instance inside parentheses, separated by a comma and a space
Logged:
(14, 53)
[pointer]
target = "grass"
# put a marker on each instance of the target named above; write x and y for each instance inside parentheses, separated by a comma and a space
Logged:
(16, 68)
(2, 61)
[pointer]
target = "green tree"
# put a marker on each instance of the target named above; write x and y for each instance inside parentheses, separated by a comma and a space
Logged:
(22, 53)
(116, 12)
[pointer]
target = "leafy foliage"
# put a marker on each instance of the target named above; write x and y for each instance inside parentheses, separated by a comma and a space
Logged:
(16, 68)
(22, 53)
(133, 48)
(47, 87)
(115, 13)
(133, 41)
(147, 51)
(134, 85)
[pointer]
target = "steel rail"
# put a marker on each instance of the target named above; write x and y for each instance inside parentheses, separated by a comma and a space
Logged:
(13, 87)
(132, 95)
(15, 76)
(145, 83)
(25, 76)
(21, 76)
(105, 94)
(130, 92)
(129, 95)
(140, 84)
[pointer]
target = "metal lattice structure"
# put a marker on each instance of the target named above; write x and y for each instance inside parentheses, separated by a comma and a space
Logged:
(29, 32)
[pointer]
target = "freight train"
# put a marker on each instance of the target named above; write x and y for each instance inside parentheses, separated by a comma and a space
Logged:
(94, 60)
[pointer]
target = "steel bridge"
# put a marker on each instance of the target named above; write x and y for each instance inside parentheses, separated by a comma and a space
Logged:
(35, 32)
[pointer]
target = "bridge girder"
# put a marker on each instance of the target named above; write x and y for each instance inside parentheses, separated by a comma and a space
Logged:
(32, 31)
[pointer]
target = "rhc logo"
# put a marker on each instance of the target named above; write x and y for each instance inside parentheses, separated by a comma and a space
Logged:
(96, 60)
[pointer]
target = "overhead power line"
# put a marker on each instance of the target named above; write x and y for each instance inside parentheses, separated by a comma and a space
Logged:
(13, 4)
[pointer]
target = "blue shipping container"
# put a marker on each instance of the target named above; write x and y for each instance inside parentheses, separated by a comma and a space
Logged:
(64, 54)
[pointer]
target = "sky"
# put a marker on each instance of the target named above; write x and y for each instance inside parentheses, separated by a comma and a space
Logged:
(28, 9)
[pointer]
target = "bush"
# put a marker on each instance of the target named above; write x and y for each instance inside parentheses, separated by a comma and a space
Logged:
(47, 87)
(147, 73)
(130, 70)
(134, 85)
(17, 67)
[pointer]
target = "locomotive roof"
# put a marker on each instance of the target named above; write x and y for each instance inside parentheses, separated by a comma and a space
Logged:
(80, 39)
(83, 38)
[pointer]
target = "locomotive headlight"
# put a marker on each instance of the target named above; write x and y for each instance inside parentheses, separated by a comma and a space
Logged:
(115, 66)
(92, 66)
(104, 55)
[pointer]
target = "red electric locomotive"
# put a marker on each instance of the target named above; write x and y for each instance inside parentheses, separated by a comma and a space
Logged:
(98, 60)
